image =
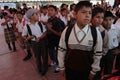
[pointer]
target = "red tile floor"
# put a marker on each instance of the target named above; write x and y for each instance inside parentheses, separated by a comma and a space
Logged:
(12, 67)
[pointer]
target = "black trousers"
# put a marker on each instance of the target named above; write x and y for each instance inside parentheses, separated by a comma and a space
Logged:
(41, 54)
(76, 75)
(118, 62)
(109, 60)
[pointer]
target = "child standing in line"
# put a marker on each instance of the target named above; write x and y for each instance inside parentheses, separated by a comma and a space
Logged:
(10, 37)
(113, 43)
(79, 53)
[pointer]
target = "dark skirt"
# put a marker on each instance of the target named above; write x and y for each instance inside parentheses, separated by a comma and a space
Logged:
(9, 35)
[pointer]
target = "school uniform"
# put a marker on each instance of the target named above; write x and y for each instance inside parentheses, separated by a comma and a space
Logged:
(53, 40)
(40, 48)
(64, 19)
(79, 59)
(44, 17)
(117, 25)
(113, 44)
(8, 32)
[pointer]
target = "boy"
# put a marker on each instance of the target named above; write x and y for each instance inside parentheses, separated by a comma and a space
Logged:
(97, 19)
(113, 43)
(35, 34)
(80, 54)
(55, 27)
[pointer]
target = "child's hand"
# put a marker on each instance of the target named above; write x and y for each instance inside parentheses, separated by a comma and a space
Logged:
(49, 25)
(30, 37)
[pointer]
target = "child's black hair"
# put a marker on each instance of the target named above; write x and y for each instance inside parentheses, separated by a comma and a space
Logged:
(44, 7)
(108, 14)
(97, 10)
(82, 4)
(63, 10)
(71, 6)
(52, 6)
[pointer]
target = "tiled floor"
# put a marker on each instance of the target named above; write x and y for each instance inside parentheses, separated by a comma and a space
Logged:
(12, 67)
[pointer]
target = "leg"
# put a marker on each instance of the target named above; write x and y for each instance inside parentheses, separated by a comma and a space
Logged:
(29, 55)
(44, 53)
(9, 46)
(109, 62)
(14, 47)
(55, 55)
(118, 62)
(36, 49)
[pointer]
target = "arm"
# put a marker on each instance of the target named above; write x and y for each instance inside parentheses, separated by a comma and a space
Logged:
(62, 51)
(98, 54)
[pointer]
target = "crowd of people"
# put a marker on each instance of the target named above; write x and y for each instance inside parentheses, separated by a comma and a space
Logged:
(82, 41)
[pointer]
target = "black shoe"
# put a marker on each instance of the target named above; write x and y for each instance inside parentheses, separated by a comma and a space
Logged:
(43, 73)
(27, 58)
(10, 48)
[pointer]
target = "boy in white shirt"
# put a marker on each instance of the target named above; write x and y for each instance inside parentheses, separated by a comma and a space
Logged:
(79, 53)
(113, 42)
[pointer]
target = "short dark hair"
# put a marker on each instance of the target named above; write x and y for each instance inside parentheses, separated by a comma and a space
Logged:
(52, 6)
(97, 10)
(44, 7)
(6, 7)
(63, 10)
(72, 6)
(62, 5)
(108, 14)
(82, 4)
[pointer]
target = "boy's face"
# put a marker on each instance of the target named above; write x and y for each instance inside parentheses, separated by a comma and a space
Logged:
(107, 22)
(98, 19)
(51, 12)
(35, 17)
(19, 16)
(44, 11)
(83, 16)
(64, 13)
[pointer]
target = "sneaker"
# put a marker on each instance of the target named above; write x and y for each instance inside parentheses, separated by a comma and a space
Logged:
(57, 70)
(52, 64)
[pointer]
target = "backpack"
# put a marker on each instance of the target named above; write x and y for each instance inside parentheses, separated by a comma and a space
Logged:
(103, 34)
(93, 32)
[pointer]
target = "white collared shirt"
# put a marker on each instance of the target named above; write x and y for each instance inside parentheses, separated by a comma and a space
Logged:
(117, 24)
(44, 17)
(64, 19)
(5, 26)
(35, 29)
(113, 36)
